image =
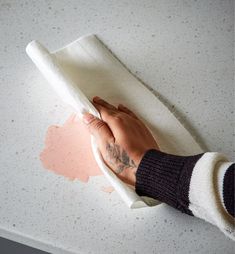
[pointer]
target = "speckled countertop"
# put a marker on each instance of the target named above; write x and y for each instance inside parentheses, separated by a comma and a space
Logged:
(182, 49)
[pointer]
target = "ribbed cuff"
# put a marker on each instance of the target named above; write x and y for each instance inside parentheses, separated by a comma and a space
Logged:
(166, 177)
(228, 190)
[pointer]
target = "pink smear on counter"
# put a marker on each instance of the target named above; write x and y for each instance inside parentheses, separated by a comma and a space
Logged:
(108, 189)
(68, 151)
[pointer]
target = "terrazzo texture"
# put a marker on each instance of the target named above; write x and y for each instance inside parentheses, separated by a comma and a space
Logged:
(182, 49)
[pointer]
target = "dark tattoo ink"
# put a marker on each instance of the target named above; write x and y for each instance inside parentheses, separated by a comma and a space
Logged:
(119, 158)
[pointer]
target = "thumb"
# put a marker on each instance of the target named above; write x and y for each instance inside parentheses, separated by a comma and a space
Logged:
(98, 128)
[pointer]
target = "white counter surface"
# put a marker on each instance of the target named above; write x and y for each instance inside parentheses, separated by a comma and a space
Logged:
(182, 49)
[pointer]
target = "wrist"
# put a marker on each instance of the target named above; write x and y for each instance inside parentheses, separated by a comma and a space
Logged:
(166, 177)
(128, 176)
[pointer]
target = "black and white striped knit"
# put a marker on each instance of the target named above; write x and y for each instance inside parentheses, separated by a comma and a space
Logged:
(200, 185)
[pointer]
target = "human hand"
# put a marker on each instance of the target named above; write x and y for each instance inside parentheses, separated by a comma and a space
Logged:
(121, 136)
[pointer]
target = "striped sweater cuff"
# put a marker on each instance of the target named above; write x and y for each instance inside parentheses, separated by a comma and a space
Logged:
(166, 177)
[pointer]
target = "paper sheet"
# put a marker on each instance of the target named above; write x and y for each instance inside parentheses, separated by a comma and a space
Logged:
(85, 68)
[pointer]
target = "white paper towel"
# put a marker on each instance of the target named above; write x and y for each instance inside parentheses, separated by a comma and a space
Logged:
(85, 68)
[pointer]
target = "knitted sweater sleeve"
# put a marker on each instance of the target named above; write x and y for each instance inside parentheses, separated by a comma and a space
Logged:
(200, 185)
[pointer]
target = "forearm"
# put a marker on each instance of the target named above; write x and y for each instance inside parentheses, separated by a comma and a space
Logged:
(200, 185)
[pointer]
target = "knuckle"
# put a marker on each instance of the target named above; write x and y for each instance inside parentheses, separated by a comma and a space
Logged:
(92, 121)
(97, 124)
(118, 119)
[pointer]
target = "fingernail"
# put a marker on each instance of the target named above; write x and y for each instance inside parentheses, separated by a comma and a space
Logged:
(96, 98)
(87, 117)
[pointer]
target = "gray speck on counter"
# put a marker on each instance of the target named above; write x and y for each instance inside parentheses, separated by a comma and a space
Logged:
(149, 38)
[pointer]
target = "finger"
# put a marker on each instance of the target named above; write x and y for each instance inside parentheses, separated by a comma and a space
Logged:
(127, 111)
(105, 112)
(98, 128)
(103, 103)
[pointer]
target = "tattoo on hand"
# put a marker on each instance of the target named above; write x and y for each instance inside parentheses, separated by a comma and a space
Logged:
(119, 158)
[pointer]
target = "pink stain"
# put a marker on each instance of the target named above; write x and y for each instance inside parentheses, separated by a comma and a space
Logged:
(68, 151)
(108, 189)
